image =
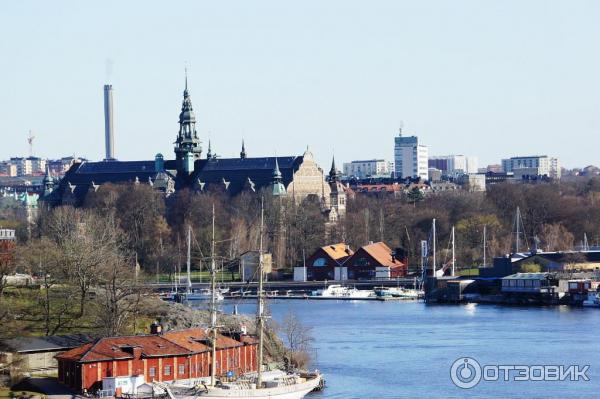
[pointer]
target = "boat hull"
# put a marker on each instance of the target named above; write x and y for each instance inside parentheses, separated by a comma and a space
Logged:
(295, 391)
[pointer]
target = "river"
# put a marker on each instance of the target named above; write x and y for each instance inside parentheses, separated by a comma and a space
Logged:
(370, 349)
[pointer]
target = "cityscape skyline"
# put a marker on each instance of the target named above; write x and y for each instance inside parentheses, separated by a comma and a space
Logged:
(281, 78)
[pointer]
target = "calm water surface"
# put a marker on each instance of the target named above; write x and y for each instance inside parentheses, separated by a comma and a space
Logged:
(405, 349)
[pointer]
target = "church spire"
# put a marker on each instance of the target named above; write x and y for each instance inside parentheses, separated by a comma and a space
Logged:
(243, 152)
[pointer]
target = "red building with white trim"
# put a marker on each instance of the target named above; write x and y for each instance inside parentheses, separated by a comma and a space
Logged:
(174, 355)
(322, 263)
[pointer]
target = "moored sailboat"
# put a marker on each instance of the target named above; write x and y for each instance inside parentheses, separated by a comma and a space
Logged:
(261, 384)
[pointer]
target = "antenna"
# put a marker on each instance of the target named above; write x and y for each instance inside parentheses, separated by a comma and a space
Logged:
(30, 138)
(400, 127)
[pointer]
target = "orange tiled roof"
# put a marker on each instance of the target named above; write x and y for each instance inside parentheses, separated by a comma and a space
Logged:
(382, 254)
(338, 251)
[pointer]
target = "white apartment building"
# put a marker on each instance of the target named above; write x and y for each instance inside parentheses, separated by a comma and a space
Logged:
(29, 166)
(367, 168)
(454, 165)
(543, 164)
(410, 157)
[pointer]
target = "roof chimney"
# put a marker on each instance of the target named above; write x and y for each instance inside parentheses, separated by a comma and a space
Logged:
(155, 328)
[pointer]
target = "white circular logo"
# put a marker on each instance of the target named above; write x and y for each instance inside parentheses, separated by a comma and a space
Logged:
(465, 372)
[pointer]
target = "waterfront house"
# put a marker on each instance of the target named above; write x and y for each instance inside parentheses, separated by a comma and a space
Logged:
(169, 356)
(375, 261)
(326, 263)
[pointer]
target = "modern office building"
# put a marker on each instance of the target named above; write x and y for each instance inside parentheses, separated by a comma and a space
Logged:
(410, 157)
(541, 165)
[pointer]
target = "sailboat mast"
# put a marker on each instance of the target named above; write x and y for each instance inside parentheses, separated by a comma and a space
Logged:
(484, 244)
(261, 299)
(213, 304)
(189, 259)
(453, 253)
(518, 228)
(433, 247)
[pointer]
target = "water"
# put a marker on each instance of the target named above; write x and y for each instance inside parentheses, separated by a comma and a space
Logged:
(405, 349)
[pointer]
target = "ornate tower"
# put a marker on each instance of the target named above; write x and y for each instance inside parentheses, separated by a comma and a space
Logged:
(187, 145)
(48, 182)
(278, 187)
(338, 195)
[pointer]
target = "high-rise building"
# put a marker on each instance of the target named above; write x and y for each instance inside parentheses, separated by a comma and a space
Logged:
(410, 157)
(542, 165)
(367, 168)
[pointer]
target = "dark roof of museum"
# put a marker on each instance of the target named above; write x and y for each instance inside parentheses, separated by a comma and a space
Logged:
(230, 174)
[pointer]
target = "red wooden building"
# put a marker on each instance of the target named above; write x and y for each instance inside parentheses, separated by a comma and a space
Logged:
(375, 261)
(322, 263)
(170, 356)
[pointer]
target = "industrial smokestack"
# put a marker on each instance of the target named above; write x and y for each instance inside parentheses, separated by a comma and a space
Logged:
(109, 136)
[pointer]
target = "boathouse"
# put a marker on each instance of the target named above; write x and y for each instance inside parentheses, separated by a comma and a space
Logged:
(375, 261)
(174, 355)
(326, 262)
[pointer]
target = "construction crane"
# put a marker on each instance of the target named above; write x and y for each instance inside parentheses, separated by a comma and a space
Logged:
(30, 141)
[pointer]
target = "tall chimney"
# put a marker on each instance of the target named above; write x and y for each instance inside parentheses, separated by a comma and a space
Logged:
(109, 137)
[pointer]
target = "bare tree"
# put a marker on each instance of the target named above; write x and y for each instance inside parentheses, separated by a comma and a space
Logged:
(298, 338)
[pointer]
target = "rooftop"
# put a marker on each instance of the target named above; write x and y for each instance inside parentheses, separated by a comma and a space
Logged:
(338, 251)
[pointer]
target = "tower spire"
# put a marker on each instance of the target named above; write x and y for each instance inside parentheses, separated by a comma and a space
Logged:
(276, 171)
(186, 85)
(278, 187)
(243, 152)
(187, 145)
(333, 173)
(209, 152)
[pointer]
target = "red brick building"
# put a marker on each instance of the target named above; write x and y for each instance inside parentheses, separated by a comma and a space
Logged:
(170, 356)
(375, 261)
(322, 263)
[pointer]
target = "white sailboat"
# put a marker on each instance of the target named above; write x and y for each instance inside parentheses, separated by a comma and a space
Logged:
(273, 384)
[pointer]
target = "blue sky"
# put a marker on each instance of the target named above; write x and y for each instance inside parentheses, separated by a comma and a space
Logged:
(485, 78)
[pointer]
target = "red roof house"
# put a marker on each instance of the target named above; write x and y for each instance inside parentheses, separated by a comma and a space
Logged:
(170, 356)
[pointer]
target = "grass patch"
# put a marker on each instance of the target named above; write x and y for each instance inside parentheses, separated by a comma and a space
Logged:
(196, 276)
(473, 272)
